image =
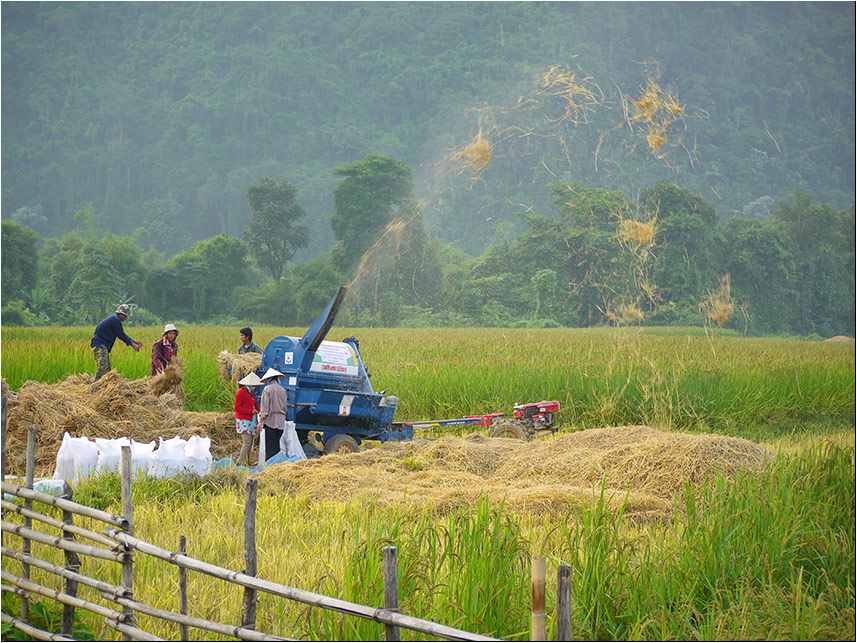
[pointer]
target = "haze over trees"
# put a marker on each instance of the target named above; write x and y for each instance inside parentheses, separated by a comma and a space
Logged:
(521, 163)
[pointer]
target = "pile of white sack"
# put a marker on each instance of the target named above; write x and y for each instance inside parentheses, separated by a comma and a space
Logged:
(82, 458)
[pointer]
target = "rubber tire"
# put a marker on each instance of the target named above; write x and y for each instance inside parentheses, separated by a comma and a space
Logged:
(341, 444)
(508, 429)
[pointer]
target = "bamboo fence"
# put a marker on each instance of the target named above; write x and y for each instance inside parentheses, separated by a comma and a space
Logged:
(117, 544)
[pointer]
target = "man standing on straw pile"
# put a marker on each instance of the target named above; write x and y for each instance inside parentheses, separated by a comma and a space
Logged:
(164, 349)
(247, 343)
(105, 336)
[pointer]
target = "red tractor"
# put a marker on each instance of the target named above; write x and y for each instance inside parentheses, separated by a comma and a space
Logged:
(529, 421)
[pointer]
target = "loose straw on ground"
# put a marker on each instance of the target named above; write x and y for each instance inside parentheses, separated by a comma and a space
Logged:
(645, 466)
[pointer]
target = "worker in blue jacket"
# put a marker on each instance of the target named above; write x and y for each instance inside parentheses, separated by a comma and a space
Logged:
(105, 336)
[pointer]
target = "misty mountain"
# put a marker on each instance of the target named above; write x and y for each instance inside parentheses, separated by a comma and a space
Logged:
(160, 115)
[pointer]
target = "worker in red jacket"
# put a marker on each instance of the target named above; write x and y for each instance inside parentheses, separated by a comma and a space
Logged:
(246, 408)
(164, 349)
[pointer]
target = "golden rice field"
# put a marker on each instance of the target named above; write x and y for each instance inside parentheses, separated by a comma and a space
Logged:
(719, 507)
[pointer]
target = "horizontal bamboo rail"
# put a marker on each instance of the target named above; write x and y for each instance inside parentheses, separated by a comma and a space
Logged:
(61, 597)
(199, 623)
(135, 634)
(379, 615)
(63, 543)
(36, 633)
(59, 524)
(101, 586)
(67, 505)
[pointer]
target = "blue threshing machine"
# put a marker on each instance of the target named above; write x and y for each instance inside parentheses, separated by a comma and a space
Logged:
(328, 387)
(329, 392)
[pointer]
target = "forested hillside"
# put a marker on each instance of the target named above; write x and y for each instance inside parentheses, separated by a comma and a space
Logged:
(165, 112)
(531, 131)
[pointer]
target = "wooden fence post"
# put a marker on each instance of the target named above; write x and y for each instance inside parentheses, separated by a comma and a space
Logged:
(127, 514)
(563, 603)
(28, 522)
(183, 589)
(72, 563)
(248, 611)
(391, 589)
(3, 453)
(3, 448)
(537, 620)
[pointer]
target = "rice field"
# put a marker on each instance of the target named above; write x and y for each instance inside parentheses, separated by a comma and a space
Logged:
(766, 552)
(601, 377)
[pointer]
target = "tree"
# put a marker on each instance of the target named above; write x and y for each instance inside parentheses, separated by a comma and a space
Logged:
(684, 265)
(203, 279)
(19, 260)
(274, 233)
(366, 201)
(821, 241)
(373, 193)
(762, 272)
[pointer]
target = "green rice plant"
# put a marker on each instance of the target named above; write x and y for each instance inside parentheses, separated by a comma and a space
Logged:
(600, 376)
(469, 572)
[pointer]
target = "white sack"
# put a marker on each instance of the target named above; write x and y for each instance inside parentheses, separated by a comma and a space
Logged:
(289, 442)
(198, 460)
(76, 459)
(169, 458)
(109, 454)
(65, 459)
(141, 457)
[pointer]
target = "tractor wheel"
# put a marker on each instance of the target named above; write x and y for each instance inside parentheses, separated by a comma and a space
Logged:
(341, 444)
(508, 429)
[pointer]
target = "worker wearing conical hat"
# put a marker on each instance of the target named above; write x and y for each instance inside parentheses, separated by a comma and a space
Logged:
(245, 415)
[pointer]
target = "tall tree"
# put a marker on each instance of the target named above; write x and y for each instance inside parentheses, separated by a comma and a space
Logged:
(274, 233)
(19, 260)
(366, 201)
(821, 240)
(684, 265)
(371, 196)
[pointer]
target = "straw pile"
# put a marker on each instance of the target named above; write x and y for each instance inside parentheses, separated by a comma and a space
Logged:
(544, 476)
(234, 367)
(114, 407)
(170, 380)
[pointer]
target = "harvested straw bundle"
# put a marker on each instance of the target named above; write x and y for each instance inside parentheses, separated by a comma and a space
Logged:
(170, 380)
(6, 389)
(113, 408)
(234, 367)
(644, 466)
